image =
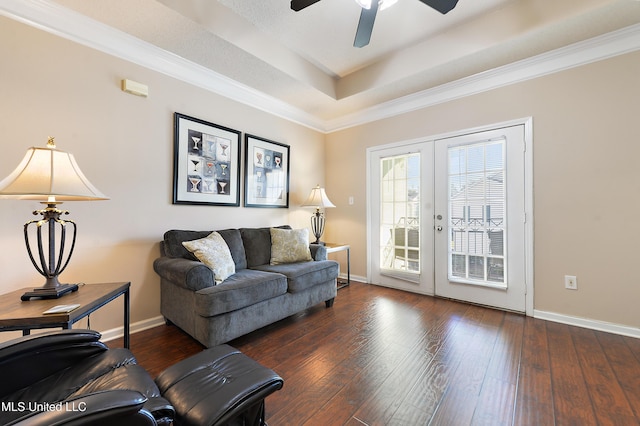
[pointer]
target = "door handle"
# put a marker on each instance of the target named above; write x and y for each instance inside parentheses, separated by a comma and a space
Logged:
(439, 228)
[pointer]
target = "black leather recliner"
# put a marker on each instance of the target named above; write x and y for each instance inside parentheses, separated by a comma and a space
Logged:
(69, 377)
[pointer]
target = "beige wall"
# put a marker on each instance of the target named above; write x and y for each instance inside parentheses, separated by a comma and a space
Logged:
(124, 144)
(586, 180)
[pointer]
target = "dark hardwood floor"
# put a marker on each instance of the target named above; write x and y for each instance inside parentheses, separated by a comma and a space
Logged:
(387, 357)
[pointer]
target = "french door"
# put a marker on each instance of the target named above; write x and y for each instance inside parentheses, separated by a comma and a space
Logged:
(401, 217)
(447, 217)
(480, 218)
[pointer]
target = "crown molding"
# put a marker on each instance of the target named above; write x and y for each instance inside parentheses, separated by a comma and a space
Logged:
(60, 21)
(596, 49)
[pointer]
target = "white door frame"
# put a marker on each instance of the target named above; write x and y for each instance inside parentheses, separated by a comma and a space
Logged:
(527, 122)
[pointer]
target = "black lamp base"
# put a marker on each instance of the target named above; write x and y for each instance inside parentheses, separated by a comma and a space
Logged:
(50, 292)
(317, 226)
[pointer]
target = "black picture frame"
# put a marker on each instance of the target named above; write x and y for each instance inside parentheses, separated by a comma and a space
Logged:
(266, 173)
(206, 163)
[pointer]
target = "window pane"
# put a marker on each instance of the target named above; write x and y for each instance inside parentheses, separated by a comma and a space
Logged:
(477, 203)
(457, 162)
(413, 167)
(387, 191)
(475, 185)
(495, 270)
(475, 158)
(387, 169)
(457, 185)
(496, 242)
(495, 156)
(386, 213)
(400, 213)
(459, 266)
(476, 267)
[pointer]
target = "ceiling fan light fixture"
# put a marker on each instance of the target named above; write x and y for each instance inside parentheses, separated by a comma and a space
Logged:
(382, 4)
(387, 3)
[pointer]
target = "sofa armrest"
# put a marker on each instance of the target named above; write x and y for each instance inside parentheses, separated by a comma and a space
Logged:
(50, 352)
(190, 274)
(121, 407)
(318, 252)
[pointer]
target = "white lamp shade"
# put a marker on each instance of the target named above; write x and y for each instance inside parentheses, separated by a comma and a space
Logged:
(318, 198)
(48, 174)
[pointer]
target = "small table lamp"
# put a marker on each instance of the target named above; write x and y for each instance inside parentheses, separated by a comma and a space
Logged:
(51, 176)
(318, 199)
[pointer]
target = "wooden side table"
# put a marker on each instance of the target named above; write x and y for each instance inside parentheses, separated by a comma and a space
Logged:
(28, 315)
(334, 247)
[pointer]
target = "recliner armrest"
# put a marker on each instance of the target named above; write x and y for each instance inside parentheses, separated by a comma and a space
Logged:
(121, 407)
(34, 342)
(190, 274)
(161, 409)
(29, 359)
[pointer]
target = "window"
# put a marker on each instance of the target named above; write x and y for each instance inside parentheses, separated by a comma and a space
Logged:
(400, 213)
(477, 203)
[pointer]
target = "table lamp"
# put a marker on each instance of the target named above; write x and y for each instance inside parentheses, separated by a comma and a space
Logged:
(318, 199)
(51, 176)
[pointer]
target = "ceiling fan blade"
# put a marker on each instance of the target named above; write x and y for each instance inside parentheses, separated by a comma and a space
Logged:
(442, 6)
(298, 5)
(365, 25)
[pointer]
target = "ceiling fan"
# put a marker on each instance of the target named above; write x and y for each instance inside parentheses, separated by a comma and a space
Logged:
(370, 10)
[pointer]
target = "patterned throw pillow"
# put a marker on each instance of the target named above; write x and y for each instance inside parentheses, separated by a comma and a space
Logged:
(214, 252)
(289, 246)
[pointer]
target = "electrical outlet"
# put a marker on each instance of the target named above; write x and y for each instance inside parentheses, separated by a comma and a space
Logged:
(570, 282)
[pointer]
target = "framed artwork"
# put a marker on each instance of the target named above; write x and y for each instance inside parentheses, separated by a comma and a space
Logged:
(266, 173)
(206, 163)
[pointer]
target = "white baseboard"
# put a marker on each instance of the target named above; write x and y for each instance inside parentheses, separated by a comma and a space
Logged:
(118, 332)
(353, 278)
(623, 330)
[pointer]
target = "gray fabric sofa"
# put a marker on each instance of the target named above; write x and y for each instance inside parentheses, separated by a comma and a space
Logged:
(257, 295)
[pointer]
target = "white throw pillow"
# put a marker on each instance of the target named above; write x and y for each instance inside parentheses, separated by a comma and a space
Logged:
(214, 252)
(290, 246)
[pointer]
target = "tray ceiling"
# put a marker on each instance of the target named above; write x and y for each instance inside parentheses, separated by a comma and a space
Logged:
(307, 60)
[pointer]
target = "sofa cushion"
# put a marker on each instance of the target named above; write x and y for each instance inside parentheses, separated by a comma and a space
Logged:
(236, 247)
(173, 242)
(303, 275)
(289, 246)
(257, 244)
(214, 252)
(245, 288)
(174, 238)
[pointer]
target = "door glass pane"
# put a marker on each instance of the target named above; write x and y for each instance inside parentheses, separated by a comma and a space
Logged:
(400, 213)
(477, 200)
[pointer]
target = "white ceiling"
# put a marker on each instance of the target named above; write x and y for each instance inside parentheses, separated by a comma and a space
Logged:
(307, 60)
